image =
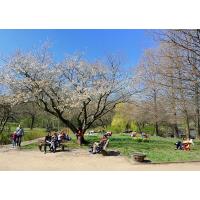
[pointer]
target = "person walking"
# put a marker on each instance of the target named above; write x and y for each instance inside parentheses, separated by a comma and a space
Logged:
(20, 133)
(14, 139)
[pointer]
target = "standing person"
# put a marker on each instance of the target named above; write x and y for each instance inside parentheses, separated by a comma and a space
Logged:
(14, 139)
(79, 135)
(17, 129)
(20, 133)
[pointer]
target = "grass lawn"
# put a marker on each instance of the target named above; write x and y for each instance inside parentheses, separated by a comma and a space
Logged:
(157, 149)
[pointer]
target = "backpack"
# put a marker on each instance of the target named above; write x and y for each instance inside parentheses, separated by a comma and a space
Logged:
(20, 132)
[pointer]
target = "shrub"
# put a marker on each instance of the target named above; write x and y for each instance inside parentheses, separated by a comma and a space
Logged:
(5, 138)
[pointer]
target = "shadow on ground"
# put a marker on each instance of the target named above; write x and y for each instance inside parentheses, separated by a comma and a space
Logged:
(113, 153)
(146, 161)
(57, 151)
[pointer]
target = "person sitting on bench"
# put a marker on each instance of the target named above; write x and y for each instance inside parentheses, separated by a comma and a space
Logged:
(47, 141)
(54, 142)
(99, 144)
(65, 136)
(60, 137)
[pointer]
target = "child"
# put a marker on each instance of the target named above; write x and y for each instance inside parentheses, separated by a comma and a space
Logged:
(14, 139)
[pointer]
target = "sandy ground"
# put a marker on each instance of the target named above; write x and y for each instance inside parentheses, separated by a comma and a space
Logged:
(31, 160)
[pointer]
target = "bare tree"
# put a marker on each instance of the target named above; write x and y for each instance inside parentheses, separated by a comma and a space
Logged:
(188, 43)
(5, 112)
(79, 93)
(148, 77)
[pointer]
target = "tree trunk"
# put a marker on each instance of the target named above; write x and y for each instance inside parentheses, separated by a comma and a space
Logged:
(198, 125)
(175, 126)
(139, 127)
(187, 125)
(176, 132)
(185, 109)
(156, 114)
(3, 124)
(197, 110)
(32, 121)
(156, 129)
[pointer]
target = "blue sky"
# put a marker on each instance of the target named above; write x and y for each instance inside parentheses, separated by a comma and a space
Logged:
(96, 44)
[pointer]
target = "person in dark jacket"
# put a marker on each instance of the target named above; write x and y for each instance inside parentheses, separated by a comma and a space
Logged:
(47, 141)
(20, 134)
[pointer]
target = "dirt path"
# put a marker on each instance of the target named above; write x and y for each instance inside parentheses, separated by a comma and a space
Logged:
(8, 147)
(78, 160)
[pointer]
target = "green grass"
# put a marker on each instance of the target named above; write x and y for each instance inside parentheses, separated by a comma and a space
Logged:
(33, 134)
(30, 146)
(157, 149)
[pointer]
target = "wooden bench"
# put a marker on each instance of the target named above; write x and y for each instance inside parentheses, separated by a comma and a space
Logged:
(103, 151)
(100, 149)
(43, 145)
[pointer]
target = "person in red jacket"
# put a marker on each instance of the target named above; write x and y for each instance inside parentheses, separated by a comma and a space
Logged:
(79, 135)
(14, 139)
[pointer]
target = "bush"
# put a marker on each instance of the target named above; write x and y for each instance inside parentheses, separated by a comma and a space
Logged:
(5, 138)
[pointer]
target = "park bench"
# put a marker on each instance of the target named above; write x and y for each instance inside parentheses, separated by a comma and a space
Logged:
(42, 145)
(101, 149)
